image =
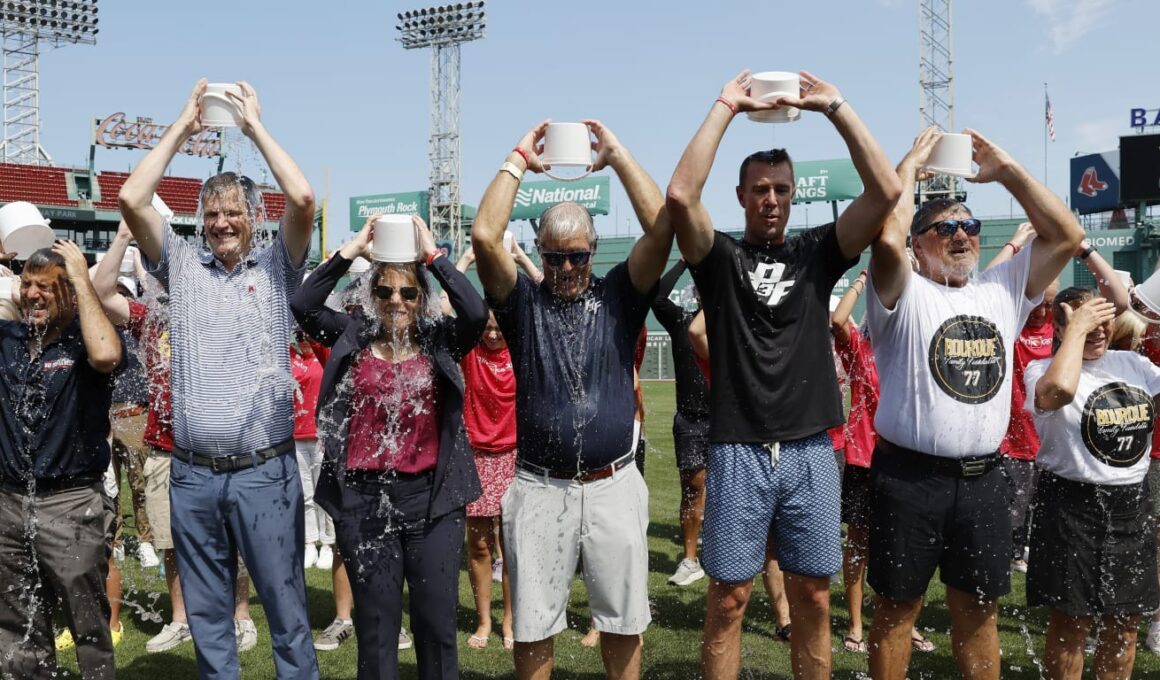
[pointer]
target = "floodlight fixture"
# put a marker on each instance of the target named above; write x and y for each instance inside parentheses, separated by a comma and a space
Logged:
(54, 21)
(441, 25)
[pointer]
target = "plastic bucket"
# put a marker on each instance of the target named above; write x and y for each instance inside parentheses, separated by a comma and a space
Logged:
(951, 155)
(394, 239)
(217, 108)
(769, 85)
(23, 230)
(567, 145)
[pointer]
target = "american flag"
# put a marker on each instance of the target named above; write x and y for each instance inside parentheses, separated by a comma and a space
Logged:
(1050, 117)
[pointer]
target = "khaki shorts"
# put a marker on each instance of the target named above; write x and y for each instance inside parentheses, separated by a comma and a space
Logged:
(157, 498)
(550, 525)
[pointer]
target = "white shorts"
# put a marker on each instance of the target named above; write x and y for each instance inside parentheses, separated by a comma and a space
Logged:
(549, 525)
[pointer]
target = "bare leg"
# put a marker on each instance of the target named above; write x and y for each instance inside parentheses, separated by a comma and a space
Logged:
(890, 637)
(774, 582)
(974, 635)
(621, 655)
(343, 597)
(854, 574)
(176, 599)
(508, 635)
(1063, 652)
(692, 509)
(809, 607)
(113, 589)
(721, 643)
(479, 540)
(1116, 650)
(533, 660)
(242, 597)
(592, 637)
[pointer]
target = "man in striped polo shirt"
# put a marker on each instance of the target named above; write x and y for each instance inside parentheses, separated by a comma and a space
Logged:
(232, 485)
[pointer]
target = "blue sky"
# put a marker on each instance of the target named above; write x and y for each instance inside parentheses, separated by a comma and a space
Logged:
(344, 98)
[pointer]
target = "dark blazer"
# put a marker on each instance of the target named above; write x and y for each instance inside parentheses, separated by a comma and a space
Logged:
(445, 342)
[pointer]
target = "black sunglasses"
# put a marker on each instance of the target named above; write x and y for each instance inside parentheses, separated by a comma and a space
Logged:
(577, 258)
(946, 228)
(408, 293)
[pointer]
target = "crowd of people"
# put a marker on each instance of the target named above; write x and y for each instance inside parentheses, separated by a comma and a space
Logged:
(270, 421)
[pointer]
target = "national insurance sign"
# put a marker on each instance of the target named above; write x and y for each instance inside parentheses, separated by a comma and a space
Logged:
(533, 198)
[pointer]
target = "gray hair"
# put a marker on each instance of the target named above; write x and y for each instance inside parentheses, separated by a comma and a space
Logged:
(566, 220)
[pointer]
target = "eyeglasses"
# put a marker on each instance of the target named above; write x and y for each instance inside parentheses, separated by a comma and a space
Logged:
(578, 258)
(408, 293)
(946, 228)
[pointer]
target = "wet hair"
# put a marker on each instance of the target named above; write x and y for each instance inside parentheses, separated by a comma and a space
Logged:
(771, 157)
(566, 220)
(935, 206)
(412, 270)
(1128, 331)
(44, 259)
(220, 184)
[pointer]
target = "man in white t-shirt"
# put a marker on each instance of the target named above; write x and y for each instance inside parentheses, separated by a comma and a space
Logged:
(943, 340)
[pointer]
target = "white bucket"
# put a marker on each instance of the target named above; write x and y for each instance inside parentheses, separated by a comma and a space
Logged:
(951, 155)
(161, 208)
(1125, 278)
(394, 239)
(567, 145)
(129, 261)
(360, 265)
(769, 85)
(217, 108)
(23, 230)
(509, 241)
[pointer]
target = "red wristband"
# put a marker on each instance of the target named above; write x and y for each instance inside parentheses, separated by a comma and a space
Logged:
(524, 156)
(728, 104)
(432, 256)
(1013, 247)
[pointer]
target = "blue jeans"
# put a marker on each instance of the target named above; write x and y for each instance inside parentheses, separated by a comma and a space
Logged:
(259, 513)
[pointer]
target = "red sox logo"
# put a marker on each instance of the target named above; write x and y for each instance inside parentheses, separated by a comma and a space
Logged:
(1090, 184)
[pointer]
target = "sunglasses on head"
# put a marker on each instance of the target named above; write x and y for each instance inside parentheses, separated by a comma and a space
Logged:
(577, 258)
(408, 293)
(946, 228)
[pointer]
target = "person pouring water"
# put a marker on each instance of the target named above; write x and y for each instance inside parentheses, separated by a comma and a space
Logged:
(233, 394)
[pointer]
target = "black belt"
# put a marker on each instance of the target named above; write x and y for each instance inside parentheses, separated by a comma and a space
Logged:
(50, 485)
(241, 461)
(972, 466)
(582, 476)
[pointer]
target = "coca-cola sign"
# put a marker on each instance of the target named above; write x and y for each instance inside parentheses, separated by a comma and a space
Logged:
(117, 131)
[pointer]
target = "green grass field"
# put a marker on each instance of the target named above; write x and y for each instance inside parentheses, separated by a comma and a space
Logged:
(671, 644)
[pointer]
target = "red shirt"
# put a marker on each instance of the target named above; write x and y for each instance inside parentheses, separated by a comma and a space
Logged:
(394, 415)
(1151, 350)
(489, 399)
(307, 372)
(151, 330)
(1021, 441)
(857, 357)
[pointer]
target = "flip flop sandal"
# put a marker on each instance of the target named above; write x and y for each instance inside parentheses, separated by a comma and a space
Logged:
(854, 645)
(921, 644)
(478, 641)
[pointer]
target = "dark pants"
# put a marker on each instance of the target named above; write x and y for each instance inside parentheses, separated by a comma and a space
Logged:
(54, 551)
(384, 537)
(1022, 475)
(257, 512)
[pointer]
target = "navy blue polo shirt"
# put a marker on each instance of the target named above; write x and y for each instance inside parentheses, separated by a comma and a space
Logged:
(54, 409)
(573, 362)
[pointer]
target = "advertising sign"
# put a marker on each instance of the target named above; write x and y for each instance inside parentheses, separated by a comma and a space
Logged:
(118, 132)
(1095, 182)
(409, 203)
(533, 198)
(1139, 168)
(833, 180)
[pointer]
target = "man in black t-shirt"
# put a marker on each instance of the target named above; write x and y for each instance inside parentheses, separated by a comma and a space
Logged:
(55, 522)
(774, 391)
(576, 494)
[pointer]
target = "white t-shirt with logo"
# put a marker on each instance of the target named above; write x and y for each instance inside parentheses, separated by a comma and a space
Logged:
(1104, 435)
(944, 359)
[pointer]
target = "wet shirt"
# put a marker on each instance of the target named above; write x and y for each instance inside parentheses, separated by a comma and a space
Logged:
(55, 409)
(573, 362)
(692, 389)
(131, 386)
(1104, 435)
(307, 372)
(232, 388)
(857, 359)
(150, 329)
(767, 317)
(944, 359)
(1021, 441)
(489, 399)
(394, 421)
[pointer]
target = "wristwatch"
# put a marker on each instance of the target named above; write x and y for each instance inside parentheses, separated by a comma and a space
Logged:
(1087, 251)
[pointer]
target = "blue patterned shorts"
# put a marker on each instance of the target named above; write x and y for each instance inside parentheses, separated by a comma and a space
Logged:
(789, 492)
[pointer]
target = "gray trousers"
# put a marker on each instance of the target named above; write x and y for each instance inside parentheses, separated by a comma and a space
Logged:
(54, 552)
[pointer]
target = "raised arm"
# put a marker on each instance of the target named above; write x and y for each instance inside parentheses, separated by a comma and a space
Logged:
(465, 260)
(526, 264)
(136, 195)
(690, 219)
(649, 254)
(1111, 287)
(497, 270)
(102, 344)
(665, 310)
(840, 318)
(309, 302)
(889, 262)
(1057, 387)
(860, 223)
(699, 336)
(1024, 234)
(298, 220)
(1057, 232)
(105, 277)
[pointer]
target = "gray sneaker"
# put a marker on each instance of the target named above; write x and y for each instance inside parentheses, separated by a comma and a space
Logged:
(404, 639)
(334, 635)
(688, 571)
(171, 635)
(246, 633)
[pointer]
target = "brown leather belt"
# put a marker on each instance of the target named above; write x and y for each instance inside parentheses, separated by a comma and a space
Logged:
(129, 411)
(581, 476)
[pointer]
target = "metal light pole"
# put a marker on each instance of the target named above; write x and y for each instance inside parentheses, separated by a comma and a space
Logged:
(443, 28)
(936, 81)
(23, 25)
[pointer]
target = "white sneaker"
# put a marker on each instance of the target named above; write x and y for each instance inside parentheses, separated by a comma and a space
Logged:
(688, 571)
(325, 558)
(246, 634)
(311, 556)
(404, 639)
(497, 571)
(147, 555)
(172, 635)
(1153, 641)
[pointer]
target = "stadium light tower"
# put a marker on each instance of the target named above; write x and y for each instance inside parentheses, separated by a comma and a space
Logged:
(936, 79)
(444, 28)
(24, 24)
